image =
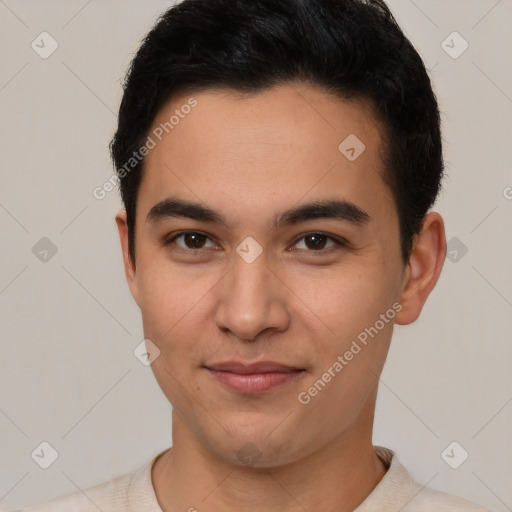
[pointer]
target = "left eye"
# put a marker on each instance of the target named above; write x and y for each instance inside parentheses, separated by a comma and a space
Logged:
(313, 242)
(318, 241)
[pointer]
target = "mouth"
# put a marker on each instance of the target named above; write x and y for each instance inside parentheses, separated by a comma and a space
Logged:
(253, 378)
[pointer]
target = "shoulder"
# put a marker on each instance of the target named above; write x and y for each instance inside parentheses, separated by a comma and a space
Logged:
(128, 492)
(110, 496)
(399, 491)
(427, 499)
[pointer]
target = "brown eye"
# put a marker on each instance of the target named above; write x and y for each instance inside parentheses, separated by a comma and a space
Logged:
(194, 240)
(316, 242)
(190, 240)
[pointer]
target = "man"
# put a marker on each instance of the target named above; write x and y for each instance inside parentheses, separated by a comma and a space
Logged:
(277, 161)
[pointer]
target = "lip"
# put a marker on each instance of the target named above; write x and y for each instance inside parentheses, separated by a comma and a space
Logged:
(247, 368)
(253, 378)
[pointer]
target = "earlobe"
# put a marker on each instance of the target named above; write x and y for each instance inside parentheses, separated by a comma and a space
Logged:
(129, 267)
(423, 269)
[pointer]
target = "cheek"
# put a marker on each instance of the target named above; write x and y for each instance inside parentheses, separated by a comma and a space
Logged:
(342, 300)
(171, 294)
(170, 309)
(347, 323)
(169, 312)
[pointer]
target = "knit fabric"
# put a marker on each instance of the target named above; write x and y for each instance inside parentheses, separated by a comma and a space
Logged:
(134, 492)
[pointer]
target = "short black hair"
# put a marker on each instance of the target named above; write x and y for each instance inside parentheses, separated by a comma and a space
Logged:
(351, 48)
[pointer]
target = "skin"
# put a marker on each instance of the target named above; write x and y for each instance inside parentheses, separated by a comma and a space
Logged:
(249, 157)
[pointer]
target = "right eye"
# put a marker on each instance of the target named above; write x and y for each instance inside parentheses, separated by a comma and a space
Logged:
(192, 240)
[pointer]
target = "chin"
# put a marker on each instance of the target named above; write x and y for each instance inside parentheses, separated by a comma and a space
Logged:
(256, 449)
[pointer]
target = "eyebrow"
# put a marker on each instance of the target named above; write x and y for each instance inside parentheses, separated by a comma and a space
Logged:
(325, 209)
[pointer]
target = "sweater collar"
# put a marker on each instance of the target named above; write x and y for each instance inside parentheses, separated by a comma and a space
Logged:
(141, 494)
(394, 491)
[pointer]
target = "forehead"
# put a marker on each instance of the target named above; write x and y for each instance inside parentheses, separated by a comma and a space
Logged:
(284, 143)
(286, 115)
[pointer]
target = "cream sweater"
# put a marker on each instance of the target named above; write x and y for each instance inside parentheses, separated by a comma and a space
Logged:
(134, 492)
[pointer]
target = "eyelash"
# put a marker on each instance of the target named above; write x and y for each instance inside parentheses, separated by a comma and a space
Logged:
(338, 243)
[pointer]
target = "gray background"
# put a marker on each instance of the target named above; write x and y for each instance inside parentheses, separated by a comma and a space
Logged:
(68, 375)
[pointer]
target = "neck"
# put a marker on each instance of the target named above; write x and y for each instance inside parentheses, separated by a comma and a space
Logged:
(339, 475)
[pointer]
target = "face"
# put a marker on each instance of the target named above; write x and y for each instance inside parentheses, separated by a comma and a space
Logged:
(273, 319)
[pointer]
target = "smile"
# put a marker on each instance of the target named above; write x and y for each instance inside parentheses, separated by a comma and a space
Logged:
(255, 378)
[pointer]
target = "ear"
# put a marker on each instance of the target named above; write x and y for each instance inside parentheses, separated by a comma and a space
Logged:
(423, 269)
(129, 266)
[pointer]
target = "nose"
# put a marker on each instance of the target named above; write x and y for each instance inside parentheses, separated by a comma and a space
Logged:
(251, 300)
